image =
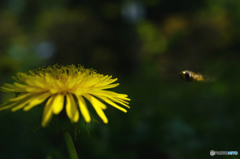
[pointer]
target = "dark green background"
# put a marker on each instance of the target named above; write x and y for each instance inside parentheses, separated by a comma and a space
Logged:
(145, 44)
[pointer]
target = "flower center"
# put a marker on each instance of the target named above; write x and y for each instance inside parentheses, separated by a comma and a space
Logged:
(62, 77)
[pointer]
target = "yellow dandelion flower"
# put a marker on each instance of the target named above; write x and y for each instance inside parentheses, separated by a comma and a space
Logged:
(64, 87)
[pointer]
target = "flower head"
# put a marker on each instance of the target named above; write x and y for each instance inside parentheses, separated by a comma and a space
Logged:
(60, 87)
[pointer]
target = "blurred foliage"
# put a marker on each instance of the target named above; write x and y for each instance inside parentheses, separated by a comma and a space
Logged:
(145, 44)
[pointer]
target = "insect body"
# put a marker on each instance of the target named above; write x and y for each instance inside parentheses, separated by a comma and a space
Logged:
(191, 76)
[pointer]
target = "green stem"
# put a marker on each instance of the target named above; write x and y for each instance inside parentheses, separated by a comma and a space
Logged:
(70, 145)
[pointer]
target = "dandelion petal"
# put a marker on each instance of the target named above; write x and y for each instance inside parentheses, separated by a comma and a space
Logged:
(38, 100)
(7, 105)
(71, 108)
(47, 113)
(83, 108)
(20, 97)
(23, 102)
(97, 108)
(113, 104)
(95, 101)
(58, 103)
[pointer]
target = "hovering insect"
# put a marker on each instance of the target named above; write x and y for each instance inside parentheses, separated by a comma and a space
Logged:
(190, 76)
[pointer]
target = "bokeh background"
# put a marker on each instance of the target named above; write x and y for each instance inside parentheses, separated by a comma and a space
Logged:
(145, 44)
